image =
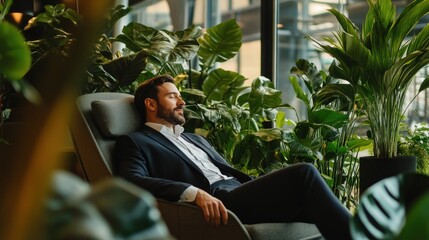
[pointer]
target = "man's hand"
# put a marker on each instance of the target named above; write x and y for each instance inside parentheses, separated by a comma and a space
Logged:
(213, 208)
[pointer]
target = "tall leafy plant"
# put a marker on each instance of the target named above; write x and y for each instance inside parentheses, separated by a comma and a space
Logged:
(379, 62)
(327, 137)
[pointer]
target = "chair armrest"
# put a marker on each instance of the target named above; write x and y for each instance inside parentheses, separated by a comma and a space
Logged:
(186, 221)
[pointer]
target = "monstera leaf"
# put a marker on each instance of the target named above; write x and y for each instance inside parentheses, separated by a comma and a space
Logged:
(384, 207)
(220, 43)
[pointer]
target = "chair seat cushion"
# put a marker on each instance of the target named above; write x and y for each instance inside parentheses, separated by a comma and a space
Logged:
(116, 117)
(284, 231)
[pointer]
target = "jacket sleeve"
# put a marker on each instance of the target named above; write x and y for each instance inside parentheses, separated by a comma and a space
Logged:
(132, 165)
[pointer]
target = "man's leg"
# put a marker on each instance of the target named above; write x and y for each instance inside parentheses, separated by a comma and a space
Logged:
(296, 193)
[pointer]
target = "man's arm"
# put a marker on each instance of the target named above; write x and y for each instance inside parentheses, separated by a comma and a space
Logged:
(132, 165)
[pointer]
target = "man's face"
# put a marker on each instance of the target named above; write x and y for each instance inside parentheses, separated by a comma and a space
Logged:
(170, 104)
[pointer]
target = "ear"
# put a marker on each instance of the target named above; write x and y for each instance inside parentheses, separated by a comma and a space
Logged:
(150, 104)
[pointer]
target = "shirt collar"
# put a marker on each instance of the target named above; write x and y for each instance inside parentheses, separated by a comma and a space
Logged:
(176, 131)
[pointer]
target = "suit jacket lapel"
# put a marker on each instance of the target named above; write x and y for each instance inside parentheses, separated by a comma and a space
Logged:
(161, 139)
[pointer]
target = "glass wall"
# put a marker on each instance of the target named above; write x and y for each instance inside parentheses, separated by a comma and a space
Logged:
(297, 19)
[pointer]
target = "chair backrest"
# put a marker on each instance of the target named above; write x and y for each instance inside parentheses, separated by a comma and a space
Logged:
(99, 120)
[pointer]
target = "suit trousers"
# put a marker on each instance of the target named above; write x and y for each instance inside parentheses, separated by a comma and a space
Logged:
(296, 193)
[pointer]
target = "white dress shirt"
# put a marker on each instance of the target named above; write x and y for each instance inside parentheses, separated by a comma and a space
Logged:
(198, 156)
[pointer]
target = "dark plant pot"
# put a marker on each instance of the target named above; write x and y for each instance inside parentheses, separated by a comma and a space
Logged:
(374, 169)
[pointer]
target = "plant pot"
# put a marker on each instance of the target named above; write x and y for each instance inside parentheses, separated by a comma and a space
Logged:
(373, 169)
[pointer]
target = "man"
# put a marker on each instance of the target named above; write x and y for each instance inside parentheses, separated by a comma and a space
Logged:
(184, 167)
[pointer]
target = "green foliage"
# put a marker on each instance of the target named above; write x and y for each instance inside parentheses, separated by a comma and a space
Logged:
(416, 143)
(219, 44)
(166, 52)
(327, 137)
(379, 62)
(15, 60)
(57, 25)
(394, 208)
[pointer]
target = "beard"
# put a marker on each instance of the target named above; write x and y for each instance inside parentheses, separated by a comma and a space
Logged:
(171, 116)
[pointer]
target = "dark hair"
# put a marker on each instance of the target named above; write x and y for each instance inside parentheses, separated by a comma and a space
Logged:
(149, 89)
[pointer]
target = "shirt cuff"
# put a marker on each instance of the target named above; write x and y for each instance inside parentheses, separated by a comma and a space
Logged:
(189, 194)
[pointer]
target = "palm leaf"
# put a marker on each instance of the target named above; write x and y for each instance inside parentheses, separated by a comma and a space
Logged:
(424, 85)
(220, 43)
(406, 21)
(420, 41)
(346, 24)
(403, 72)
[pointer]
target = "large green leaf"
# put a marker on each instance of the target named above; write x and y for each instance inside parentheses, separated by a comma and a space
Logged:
(328, 117)
(220, 43)
(264, 95)
(126, 69)
(15, 56)
(176, 47)
(219, 82)
(299, 91)
(136, 36)
(168, 51)
(331, 92)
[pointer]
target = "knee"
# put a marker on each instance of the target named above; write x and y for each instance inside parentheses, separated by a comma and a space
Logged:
(309, 172)
(309, 168)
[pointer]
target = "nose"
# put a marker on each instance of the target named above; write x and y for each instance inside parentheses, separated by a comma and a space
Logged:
(181, 101)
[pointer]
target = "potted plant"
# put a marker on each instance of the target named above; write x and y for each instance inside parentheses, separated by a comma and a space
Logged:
(379, 62)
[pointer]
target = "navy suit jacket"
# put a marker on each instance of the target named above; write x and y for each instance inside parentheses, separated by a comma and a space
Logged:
(151, 161)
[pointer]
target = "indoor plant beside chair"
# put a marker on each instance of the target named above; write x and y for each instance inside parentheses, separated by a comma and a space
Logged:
(379, 62)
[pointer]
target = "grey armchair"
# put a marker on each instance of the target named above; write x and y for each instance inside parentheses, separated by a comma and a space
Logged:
(101, 117)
